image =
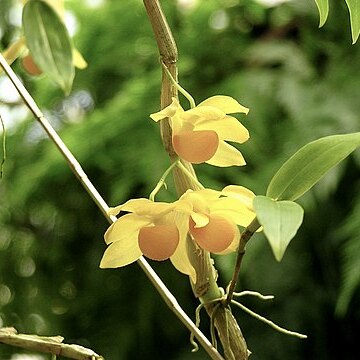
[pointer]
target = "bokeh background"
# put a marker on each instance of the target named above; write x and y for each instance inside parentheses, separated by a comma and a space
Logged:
(300, 83)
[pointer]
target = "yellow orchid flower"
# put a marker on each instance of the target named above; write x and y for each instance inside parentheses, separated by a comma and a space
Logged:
(156, 230)
(200, 134)
(160, 230)
(215, 215)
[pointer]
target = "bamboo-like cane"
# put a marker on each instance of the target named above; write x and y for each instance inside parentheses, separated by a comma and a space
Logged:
(206, 288)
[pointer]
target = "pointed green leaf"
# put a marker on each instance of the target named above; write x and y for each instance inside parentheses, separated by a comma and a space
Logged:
(323, 7)
(280, 221)
(354, 9)
(49, 42)
(309, 164)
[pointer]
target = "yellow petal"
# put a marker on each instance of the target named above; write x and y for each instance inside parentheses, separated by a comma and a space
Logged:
(196, 146)
(199, 199)
(113, 211)
(199, 219)
(201, 195)
(180, 259)
(232, 209)
(227, 128)
(209, 194)
(202, 113)
(226, 155)
(143, 207)
(225, 103)
(78, 59)
(178, 125)
(183, 205)
(241, 193)
(121, 253)
(168, 111)
(125, 227)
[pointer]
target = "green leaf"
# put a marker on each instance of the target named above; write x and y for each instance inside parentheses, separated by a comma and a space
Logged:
(280, 221)
(309, 164)
(323, 7)
(354, 9)
(49, 42)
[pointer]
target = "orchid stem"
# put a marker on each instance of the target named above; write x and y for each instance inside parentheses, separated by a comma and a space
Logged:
(161, 182)
(233, 342)
(189, 175)
(177, 85)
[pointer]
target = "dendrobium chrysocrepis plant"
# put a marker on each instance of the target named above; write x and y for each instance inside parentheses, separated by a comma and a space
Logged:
(157, 230)
(200, 134)
(160, 230)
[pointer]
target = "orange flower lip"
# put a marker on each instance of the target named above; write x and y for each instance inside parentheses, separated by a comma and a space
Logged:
(196, 146)
(216, 236)
(158, 242)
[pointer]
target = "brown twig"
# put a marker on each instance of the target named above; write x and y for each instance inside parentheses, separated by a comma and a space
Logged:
(245, 237)
(47, 344)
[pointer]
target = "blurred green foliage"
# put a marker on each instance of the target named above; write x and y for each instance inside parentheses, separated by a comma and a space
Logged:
(300, 83)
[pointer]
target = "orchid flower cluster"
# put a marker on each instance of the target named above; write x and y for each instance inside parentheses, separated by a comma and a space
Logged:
(204, 218)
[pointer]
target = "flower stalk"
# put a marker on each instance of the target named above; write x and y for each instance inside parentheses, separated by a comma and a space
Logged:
(178, 87)
(161, 182)
(190, 174)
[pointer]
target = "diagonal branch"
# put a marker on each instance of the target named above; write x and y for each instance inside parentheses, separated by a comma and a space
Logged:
(47, 344)
(76, 168)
